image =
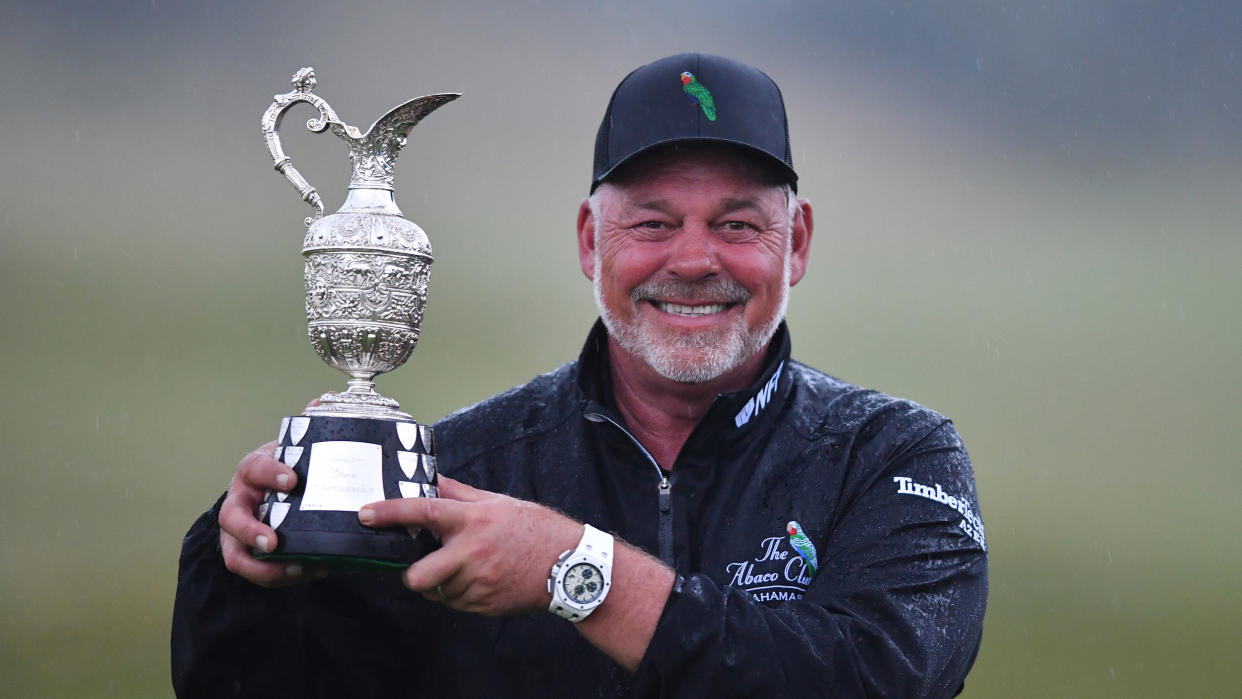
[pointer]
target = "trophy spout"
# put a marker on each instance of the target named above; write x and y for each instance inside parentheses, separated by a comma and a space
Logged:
(374, 153)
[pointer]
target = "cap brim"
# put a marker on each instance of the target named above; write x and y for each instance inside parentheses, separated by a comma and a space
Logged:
(780, 166)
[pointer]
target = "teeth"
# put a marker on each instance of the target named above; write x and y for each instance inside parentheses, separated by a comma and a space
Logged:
(683, 310)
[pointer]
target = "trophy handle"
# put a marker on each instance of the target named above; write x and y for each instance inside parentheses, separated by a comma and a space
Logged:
(303, 82)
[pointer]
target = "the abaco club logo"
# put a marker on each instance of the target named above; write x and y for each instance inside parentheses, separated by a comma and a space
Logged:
(782, 568)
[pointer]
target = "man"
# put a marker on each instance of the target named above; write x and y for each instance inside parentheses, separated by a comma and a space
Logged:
(777, 531)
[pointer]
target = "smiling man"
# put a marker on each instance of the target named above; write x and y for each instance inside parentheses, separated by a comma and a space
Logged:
(683, 511)
(692, 252)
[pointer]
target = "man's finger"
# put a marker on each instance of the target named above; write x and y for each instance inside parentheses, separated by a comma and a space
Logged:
(456, 490)
(436, 569)
(237, 520)
(256, 473)
(238, 560)
(440, 515)
(259, 469)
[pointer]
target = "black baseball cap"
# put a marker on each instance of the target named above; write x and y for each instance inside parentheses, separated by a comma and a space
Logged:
(694, 98)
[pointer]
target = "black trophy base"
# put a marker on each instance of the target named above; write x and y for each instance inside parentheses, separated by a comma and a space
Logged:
(343, 463)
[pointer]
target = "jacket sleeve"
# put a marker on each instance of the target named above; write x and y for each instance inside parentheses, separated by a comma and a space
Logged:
(224, 639)
(232, 638)
(896, 609)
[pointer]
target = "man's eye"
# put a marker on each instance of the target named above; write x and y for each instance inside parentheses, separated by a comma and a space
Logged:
(738, 230)
(653, 230)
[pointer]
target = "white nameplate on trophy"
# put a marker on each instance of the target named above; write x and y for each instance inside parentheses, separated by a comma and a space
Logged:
(344, 476)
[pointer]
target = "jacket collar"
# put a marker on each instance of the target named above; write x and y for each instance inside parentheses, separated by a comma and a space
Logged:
(732, 415)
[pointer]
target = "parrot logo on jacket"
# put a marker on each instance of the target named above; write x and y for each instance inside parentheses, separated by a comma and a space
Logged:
(699, 94)
(803, 545)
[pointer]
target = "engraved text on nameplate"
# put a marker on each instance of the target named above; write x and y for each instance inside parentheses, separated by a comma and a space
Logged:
(344, 476)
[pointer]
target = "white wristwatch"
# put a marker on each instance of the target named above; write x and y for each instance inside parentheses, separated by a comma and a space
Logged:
(581, 577)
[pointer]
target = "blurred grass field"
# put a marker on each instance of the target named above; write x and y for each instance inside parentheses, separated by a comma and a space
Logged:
(1095, 386)
(996, 239)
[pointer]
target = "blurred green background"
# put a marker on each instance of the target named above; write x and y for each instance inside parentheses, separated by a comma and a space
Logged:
(1027, 219)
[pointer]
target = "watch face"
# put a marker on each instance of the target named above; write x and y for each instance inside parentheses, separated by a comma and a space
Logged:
(583, 583)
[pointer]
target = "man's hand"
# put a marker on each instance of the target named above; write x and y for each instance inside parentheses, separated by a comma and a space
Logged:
(257, 473)
(497, 550)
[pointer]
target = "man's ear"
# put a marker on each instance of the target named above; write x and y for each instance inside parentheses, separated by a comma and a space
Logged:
(800, 242)
(586, 239)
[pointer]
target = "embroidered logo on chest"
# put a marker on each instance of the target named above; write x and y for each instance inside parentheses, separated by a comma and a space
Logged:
(777, 572)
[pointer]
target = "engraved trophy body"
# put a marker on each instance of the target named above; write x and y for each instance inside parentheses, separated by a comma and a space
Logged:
(366, 270)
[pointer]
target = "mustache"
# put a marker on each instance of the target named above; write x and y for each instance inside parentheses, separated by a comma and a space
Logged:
(712, 290)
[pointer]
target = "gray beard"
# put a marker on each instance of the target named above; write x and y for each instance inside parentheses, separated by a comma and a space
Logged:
(696, 357)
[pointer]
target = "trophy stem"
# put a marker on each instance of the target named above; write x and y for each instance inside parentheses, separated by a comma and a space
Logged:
(360, 384)
(359, 400)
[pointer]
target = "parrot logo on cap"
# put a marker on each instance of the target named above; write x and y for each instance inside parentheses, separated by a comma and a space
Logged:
(803, 545)
(699, 94)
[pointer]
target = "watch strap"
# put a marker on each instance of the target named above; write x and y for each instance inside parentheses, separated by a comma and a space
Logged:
(597, 543)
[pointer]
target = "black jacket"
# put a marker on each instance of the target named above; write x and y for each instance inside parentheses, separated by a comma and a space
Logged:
(882, 487)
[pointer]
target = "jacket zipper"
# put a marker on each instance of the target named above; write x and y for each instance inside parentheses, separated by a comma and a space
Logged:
(664, 534)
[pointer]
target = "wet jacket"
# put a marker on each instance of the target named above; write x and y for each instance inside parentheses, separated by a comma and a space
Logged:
(888, 599)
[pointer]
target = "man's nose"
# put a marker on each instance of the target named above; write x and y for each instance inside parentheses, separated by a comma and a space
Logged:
(692, 252)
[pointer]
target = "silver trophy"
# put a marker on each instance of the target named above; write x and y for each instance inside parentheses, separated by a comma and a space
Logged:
(367, 270)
